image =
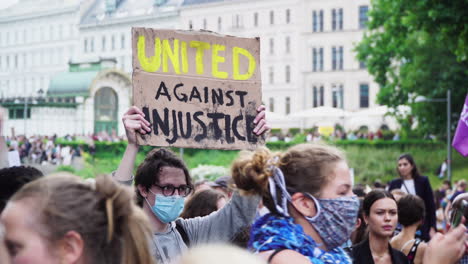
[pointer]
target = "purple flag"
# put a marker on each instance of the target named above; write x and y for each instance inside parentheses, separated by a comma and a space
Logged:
(460, 140)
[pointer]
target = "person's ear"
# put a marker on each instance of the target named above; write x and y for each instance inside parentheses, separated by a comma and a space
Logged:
(71, 248)
(304, 204)
(142, 190)
(358, 223)
(366, 219)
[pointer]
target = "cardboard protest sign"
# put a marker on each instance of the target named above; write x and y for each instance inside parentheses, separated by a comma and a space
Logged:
(197, 89)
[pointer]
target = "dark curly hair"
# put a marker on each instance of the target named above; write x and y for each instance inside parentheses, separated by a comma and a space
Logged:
(13, 178)
(148, 171)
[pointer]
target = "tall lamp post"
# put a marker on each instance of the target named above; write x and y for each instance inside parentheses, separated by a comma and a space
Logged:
(25, 113)
(448, 100)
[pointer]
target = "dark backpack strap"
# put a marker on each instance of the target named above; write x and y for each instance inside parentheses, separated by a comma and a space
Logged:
(182, 233)
(412, 253)
(274, 254)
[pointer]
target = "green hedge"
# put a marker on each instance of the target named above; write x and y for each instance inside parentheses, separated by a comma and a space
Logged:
(119, 147)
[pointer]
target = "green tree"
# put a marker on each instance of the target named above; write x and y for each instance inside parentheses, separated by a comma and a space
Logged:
(418, 47)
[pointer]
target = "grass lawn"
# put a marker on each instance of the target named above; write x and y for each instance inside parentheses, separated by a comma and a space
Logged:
(369, 163)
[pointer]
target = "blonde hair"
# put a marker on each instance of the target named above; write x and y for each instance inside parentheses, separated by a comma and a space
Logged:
(306, 168)
(214, 254)
(113, 228)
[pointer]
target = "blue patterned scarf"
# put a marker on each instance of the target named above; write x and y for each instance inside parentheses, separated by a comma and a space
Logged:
(272, 232)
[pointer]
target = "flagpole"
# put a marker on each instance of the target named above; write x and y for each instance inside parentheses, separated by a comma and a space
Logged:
(449, 145)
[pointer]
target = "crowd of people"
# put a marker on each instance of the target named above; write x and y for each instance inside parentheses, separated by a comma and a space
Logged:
(337, 134)
(40, 149)
(297, 206)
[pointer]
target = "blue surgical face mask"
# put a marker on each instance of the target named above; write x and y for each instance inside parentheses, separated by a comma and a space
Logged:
(167, 208)
(335, 219)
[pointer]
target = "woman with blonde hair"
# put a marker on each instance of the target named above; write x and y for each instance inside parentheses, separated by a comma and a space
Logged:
(308, 190)
(63, 219)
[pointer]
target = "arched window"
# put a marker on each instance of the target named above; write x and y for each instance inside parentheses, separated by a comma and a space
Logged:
(105, 110)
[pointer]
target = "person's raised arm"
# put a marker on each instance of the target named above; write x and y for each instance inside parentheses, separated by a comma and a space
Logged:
(448, 248)
(260, 121)
(237, 214)
(134, 122)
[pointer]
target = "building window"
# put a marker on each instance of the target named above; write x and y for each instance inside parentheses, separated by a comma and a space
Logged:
(362, 65)
(190, 26)
(334, 58)
(113, 42)
(60, 31)
(271, 75)
(288, 16)
(317, 59)
(364, 95)
(363, 16)
(255, 19)
(288, 44)
(272, 45)
(337, 96)
(272, 18)
(103, 44)
(18, 113)
(337, 19)
(315, 21)
(337, 58)
(72, 30)
(340, 58)
(51, 33)
(333, 19)
(92, 45)
(320, 59)
(219, 24)
(272, 104)
(204, 23)
(321, 95)
(321, 20)
(41, 33)
(317, 96)
(85, 45)
(288, 73)
(340, 19)
(288, 105)
(314, 59)
(237, 21)
(122, 42)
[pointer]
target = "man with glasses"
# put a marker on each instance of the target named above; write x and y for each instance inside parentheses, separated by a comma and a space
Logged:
(162, 182)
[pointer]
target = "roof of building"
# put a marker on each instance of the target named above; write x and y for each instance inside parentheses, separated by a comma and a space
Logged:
(71, 83)
(196, 2)
(36, 8)
(99, 12)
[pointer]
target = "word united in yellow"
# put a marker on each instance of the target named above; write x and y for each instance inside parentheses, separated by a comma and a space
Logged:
(176, 53)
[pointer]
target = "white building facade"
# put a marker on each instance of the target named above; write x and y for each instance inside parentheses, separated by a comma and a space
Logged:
(307, 55)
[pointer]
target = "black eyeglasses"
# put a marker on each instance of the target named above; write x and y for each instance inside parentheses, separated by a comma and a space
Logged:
(169, 190)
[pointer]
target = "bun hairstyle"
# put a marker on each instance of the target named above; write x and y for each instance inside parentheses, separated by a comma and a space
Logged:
(306, 168)
(113, 228)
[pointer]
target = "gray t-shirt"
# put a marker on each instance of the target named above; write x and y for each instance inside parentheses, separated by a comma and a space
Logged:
(219, 226)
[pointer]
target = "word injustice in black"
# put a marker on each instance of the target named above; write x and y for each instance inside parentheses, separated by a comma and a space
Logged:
(200, 125)
(218, 96)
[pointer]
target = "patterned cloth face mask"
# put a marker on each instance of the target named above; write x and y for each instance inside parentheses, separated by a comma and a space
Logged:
(335, 218)
(167, 208)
